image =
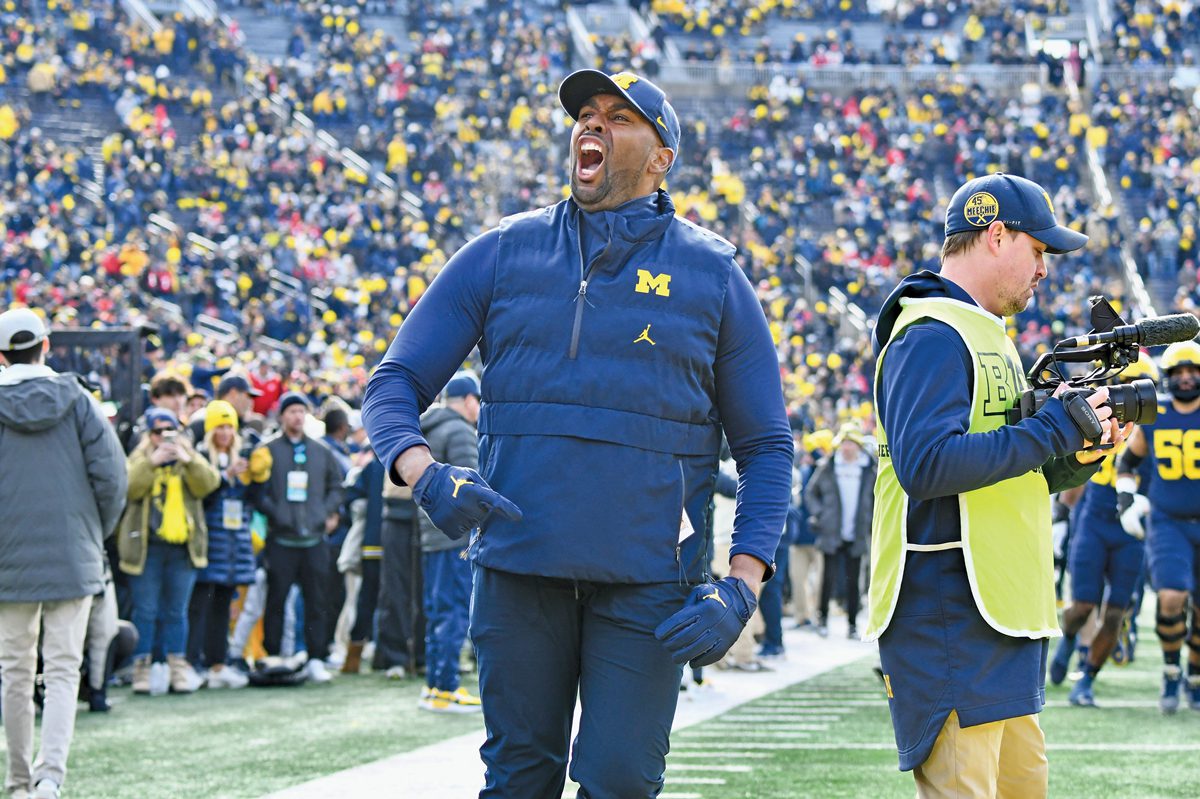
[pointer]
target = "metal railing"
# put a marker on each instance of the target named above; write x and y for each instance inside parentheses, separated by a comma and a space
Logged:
(201, 9)
(697, 78)
(606, 20)
(584, 49)
(137, 10)
(1125, 75)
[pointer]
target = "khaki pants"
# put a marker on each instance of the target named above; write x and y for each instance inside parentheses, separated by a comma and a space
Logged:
(63, 626)
(1001, 760)
(804, 570)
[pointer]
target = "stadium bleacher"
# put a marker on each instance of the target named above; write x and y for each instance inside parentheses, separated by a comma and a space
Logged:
(300, 171)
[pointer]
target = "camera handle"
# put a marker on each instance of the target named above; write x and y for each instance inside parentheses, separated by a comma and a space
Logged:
(1083, 416)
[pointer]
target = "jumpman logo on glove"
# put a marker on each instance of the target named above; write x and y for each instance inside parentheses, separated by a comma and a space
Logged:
(702, 632)
(458, 500)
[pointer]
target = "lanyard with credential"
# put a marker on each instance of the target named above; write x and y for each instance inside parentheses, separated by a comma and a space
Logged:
(297, 478)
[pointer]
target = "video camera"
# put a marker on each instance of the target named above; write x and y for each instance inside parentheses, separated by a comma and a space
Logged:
(1114, 345)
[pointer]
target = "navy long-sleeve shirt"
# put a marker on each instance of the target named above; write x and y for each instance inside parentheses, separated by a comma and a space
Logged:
(449, 320)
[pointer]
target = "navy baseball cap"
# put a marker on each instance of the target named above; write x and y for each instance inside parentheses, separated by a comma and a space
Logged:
(236, 383)
(650, 101)
(156, 417)
(463, 384)
(1019, 203)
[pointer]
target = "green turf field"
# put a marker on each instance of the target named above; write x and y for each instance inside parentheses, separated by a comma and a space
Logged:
(828, 737)
(831, 737)
(249, 742)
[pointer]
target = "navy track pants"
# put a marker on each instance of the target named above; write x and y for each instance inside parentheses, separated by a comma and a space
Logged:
(542, 641)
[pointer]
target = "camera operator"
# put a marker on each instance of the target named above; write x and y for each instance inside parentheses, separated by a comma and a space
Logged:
(962, 583)
(1172, 442)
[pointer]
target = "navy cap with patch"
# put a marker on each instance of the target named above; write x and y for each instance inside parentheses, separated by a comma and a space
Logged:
(1019, 203)
(650, 101)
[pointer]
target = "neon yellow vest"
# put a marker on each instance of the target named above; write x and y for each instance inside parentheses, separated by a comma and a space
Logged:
(1005, 528)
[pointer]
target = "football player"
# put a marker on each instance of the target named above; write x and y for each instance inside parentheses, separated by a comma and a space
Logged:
(1172, 443)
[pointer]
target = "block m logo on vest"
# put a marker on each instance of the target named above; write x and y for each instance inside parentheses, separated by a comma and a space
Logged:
(659, 284)
(1002, 383)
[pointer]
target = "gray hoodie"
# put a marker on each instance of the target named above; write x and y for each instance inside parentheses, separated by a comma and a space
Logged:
(452, 440)
(62, 486)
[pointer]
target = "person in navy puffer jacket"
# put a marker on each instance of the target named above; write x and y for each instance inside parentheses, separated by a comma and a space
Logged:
(617, 343)
(230, 551)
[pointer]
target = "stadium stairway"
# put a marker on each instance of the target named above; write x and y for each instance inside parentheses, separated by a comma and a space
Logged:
(392, 25)
(83, 126)
(265, 35)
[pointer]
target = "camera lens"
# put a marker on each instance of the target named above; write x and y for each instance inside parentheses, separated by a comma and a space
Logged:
(1135, 402)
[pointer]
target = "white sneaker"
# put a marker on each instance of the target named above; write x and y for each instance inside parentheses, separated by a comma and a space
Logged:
(46, 789)
(227, 677)
(160, 679)
(396, 673)
(296, 661)
(317, 672)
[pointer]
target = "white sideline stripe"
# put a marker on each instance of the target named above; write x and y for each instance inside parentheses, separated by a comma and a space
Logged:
(707, 737)
(803, 715)
(1133, 747)
(713, 755)
(451, 769)
(800, 745)
(570, 793)
(832, 694)
(705, 767)
(777, 704)
(734, 730)
(1080, 747)
(1109, 703)
(697, 781)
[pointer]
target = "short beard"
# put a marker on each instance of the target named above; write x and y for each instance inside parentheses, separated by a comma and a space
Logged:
(1014, 306)
(599, 192)
(608, 193)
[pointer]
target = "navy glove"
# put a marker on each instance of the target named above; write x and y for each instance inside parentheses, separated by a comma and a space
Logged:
(458, 500)
(709, 623)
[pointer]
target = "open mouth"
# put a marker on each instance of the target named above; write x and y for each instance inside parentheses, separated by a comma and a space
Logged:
(591, 158)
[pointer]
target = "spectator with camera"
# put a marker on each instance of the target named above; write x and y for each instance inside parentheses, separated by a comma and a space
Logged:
(230, 549)
(54, 439)
(163, 543)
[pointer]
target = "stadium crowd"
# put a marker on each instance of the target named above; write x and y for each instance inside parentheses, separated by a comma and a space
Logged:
(912, 33)
(258, 255)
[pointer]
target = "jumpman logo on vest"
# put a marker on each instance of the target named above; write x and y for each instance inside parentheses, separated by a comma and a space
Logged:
(459, 484)
(645, 336)
(715, 595)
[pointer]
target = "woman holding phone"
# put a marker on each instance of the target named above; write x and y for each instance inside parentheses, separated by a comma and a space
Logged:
(162, 542)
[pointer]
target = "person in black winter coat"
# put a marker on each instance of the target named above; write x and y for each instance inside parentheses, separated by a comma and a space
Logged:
(840, 499)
